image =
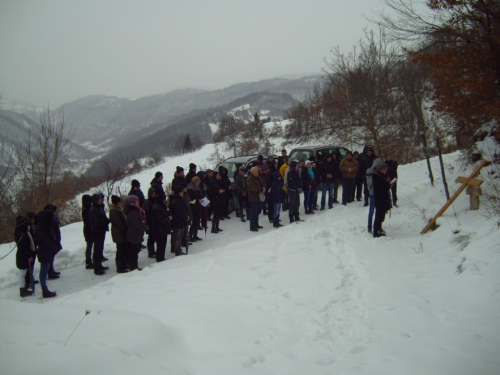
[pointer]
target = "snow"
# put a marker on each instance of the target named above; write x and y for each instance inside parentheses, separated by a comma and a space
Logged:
(318, 297)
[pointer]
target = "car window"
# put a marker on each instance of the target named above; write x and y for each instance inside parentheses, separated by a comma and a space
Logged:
(251, 164)
(321, 155)
(300, 154)
(343, 151)
(231, 168)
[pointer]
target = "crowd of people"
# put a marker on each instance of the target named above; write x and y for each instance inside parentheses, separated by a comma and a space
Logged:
(195, 199)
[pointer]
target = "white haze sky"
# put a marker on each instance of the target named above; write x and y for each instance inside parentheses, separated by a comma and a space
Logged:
(57, 51)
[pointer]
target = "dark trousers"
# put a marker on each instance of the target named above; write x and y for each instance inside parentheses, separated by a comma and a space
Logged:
(358, 188)
(88, 252)
(394, 191)
(293, 210)
(336, 185)
(347, 189)
(177, 236)
(121, 256)
(379, 219)
(151, 245)
(255, 208)
(161, 245)
(133, 250)
(270, 207)
(327, 187)
(98, 239)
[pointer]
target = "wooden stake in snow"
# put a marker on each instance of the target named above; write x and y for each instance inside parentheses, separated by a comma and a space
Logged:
(465, 181)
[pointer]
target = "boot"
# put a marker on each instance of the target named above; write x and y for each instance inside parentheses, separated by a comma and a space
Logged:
(238, 213)
(24, 292)
(242, 217)
(291, 219)
(278, 222)
(214, 227)
(297, 218)
(48, 294)
(89, 266)
(218, 229)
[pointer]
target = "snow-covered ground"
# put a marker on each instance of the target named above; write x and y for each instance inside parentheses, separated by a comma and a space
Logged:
(318, 297)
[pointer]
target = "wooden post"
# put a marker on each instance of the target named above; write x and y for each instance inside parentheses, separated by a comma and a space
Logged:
(474, 192)
(454, 196)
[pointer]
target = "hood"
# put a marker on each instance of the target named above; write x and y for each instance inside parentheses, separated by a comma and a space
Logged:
(21, 227)
(95, 199)
(44, 218)
(113, 207)
(50, 207)
(86, 201)
(276, 176)
(151, 190)
(155, 181)
(222, 170)
(373, 168)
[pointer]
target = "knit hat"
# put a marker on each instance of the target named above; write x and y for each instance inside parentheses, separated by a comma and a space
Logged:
(179, 169)
(158, 174)
(132, 199)
(253, 169)
(135, 183)
(307, 162)
(260, 157)
(115, 199)
(192, 166)
(369, 149)
(293, 164)
(195, 179)
(356, 153)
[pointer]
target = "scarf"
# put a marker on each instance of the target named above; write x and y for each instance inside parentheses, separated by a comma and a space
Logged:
(311, 172)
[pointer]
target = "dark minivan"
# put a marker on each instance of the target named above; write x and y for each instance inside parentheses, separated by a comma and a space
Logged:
(304, 153)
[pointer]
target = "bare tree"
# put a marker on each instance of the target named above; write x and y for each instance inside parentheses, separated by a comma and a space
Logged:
(42, 156)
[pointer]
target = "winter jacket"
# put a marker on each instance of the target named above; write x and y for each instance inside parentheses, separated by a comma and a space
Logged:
(161, 221)
(327, 170)
(393, 169)
(283, 169)
(99, 222)
(345, 164)
(294, 181)
(178, 181)
(148, 205)
(25, 244)
(381, 191)
(118, 224)
(47, 245)
(217, 199)
(139, 194)
(55, 224)
(255, 186)
(307, 180)
(160, 192)
(196, 194)
(136, 224)
(241, 184)
(278, 194)
(189, 177)
(86, 206)
(281, 161)
(179, 212)
(366, 162)
(369, 174)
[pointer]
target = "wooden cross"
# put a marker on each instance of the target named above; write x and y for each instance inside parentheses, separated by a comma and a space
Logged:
(465, 181)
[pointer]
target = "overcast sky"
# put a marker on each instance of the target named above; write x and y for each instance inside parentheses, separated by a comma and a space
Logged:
(57, 51)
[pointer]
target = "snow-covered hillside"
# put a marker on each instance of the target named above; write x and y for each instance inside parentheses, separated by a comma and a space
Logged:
(318, 297)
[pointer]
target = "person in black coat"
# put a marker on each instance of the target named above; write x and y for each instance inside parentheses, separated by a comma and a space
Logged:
(242, 193)
(179, 212)
(29, 278)
(87, 233)
(337, 175)
(309, 185)
(294, 183)
(225, 183)
(358, 180)
(161, 227)
(217, 201)
(179, 178)
(119, 233)
(136, 190)
(326, 171)
(282, 159)
(99, 225)
(392, 173)
(278, 197)
(148, 207)
(195, 193)
(157, 184)
(25, 255)
(269, 196)
(136, 226)
(47, 248)
(191, 173)
(53, 274)
(381, 186)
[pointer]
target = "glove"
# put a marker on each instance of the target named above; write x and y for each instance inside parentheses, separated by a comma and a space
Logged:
(30, 260)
